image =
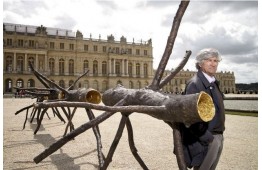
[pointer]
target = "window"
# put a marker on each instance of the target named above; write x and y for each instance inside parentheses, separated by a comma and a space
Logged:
(104, 48)
(19, 83)
(118, 68)
(31, 43)
(104, 68)
(137, 52)
(131, 85)
(20, 43)
(8, 86)
(30, 83)
(95, 47)
(85, 66)
(71, 67)
(71, 46)
(86, 47)
(145, 52)
(86, 84)
(62, 46)
(137, 69)
(61, 66)
(9, 63)
(62, 83)
(20, 64)
(145, 70)
(32, 61)
(129, 51)
(9, 41)
(52, 66)
(70, 83)
(95, 67)
(130, 69)
(52, 45)
(117, 50)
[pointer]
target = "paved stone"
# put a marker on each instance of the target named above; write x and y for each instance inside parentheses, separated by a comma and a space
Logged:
(153, 139)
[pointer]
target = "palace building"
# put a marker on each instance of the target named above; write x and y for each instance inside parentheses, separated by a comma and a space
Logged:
(63, 55)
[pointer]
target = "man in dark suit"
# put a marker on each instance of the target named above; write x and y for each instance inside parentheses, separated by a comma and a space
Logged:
(203, 142)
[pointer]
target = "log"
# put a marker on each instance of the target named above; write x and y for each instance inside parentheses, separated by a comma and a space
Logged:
(81, 95)
(187, 109)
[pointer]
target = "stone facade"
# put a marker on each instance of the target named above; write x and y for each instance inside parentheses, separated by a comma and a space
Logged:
(62, 56)
(178, 83)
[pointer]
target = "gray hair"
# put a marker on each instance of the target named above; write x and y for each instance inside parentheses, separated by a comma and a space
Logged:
(206, 54)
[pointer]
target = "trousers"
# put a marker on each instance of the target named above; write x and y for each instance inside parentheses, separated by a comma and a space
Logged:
(213, 154)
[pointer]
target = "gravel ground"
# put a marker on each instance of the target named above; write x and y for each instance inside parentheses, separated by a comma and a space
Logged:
(153, 139)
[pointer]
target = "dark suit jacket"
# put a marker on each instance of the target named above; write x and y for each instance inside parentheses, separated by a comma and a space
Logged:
(197, 137)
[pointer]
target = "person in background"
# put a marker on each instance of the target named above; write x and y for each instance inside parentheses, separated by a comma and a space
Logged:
(203, 142)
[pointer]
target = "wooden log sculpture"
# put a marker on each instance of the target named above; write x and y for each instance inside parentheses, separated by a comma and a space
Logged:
(172, 109)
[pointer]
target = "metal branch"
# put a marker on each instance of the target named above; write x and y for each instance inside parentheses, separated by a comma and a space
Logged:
(38, 75)
(137, 108)
(72, 86)
(58, 144)
(46, 79)
(169, 46)
(176, 70)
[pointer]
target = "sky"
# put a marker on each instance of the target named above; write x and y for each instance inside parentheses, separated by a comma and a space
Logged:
(229, 26)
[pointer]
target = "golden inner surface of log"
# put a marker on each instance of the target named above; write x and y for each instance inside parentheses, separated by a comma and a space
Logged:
(61, 95)
(205, 106)
(93, 96)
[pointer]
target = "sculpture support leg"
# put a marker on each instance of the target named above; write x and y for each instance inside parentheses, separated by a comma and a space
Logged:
(115, 142)
(178, 147)
(98, 138)
(132, 144)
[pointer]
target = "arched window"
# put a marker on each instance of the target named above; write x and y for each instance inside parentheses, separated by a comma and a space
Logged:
(8, 85)
(32, 61)
(137, 69)
(145, 70)
(30, 83)
(52, 66)
(95, 85)
(71, 67)
(119, 82)
(130, 69)
(85, 66)
(86, 84)
(104, 68)
(9, 63)
(104, 86)
(118, 68)
(61, 66)
(70, 83)
(62, 83)
(19, 83)
(52, 85)
(138, 84)
(20, 64)
(131, 85)
(95, 67)
(146, 83)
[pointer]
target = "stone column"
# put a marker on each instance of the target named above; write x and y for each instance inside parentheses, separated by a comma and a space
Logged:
(114, 66)
(36, 62)
(14, 66)
(46, 63)
(26, 63)
(110, 66)
(123, 67)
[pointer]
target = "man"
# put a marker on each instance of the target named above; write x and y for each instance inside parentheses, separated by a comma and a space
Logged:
(203, 142)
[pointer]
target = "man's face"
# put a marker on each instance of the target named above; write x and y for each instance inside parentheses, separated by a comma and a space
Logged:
(209, 66)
